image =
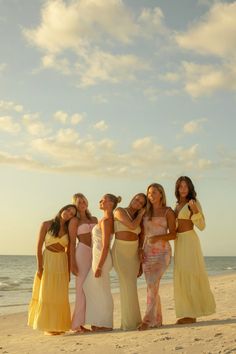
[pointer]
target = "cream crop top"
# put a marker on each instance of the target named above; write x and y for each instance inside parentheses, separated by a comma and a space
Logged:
(197, 219)
(51, 240)
(119, 226)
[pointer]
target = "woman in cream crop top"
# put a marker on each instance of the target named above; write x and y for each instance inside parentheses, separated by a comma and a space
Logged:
(127, 220)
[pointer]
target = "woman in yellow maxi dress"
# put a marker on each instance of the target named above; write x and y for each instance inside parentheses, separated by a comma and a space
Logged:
(49, 309)
(193, 296)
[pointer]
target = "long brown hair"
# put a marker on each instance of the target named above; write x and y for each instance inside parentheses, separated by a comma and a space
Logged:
(191, 190)
(163, 198)
(145, 203)
(87, 212)
(55, 225)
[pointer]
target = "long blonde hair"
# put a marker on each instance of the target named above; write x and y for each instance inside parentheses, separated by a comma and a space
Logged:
(87, 212)
(163, 198)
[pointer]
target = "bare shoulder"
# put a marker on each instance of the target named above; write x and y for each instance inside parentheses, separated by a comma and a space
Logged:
(74, 221)
(119, 211)
(46, 224)
(107, 221)
(170, 212)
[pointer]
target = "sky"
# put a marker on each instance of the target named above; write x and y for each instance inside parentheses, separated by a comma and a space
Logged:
(108, 96)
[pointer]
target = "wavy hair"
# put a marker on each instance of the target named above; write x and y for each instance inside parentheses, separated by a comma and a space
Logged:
(163, 198)
(87, 212)
(55, 225)
(191, 190)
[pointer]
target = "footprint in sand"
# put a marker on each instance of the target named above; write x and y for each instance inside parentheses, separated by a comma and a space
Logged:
(218, 334)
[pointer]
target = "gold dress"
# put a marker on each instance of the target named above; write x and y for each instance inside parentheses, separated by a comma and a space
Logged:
(49, 309)
(193, 296)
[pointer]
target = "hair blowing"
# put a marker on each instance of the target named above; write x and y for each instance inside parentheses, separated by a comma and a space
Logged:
(55, 226)
(191, 190)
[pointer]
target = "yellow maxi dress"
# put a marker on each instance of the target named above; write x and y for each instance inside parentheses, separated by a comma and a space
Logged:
(192, 293)
(49, 309)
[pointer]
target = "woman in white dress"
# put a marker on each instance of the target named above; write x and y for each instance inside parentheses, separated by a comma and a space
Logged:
(97, 288)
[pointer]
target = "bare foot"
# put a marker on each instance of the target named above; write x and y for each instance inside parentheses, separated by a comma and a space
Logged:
(53, 333)
(143, 326)
(100, 329)
(186, 320)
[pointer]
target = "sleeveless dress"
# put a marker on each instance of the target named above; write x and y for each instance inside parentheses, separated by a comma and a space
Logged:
(157, 259)
(83, 255)
(193, 296)
(99, 301)
(49, 309)
(126, 263)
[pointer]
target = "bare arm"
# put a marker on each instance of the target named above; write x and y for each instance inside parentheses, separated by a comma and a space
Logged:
(107, 230)
(122, 216)
(171, 234)
(41, 238)
(73, 226)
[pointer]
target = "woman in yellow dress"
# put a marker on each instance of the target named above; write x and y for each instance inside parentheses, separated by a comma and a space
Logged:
(193, 296)
(49, 309)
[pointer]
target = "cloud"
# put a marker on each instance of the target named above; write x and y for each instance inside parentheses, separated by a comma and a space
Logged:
(170, 76)
(76, 118)
(61, 116)
(34, 126)
(103, 66)
(8, 125)
(10, 106)
(101, 125)
(202, 79)
(73, 25)
(215, 34)
(194, 126)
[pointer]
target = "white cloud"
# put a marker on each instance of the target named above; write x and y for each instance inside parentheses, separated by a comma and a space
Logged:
(152, 22)
(194, 126)
(50, 61)
(215, 34)
(103, 66)
(73, 25)
(76, 118)
(8, 125)
(206, 79)
(10, 106)
(61, 116)
(33, 125)
(101, 125)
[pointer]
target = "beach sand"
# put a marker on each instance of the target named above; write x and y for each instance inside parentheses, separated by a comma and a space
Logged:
(210, 335)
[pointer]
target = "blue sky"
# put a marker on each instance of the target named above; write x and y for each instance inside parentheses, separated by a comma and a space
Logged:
(104, 96)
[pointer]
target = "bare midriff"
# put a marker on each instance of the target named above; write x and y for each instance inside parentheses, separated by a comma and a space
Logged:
(86, 239)
(184, 225)
(126, 236)
(56, 247)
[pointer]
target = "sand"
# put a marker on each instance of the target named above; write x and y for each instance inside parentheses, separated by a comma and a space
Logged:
(212, 334)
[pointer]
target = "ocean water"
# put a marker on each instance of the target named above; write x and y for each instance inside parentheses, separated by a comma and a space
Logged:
(17, 274)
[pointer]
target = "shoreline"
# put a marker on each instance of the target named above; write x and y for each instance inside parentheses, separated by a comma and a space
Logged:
(211, 334)
(22, 308)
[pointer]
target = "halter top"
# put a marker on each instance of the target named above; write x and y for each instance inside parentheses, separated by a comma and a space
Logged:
(51, 240)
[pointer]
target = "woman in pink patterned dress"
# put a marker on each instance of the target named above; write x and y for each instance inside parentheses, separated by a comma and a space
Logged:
(158, 228)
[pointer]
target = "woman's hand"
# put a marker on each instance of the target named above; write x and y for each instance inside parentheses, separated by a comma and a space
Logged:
(140, 272)
(74, 269)
(142, 212)
(193, 206)
(40, 273)
(98, 272)
(141, 255)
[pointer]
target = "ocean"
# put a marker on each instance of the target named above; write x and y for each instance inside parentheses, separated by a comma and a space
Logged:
(17, 274)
